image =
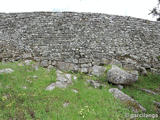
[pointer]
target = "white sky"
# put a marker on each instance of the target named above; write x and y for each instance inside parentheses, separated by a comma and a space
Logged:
(135, 8)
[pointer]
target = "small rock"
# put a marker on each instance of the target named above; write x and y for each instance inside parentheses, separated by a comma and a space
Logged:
(35, 77)
(148, 91)
(75, 91)
(94, 83)
(50, 67)
(157, 104)
(27, 56)
(35, 67)
(118, 76)
(84, 70)
(65, 104)
(74, 77)
(44, 63)
(136, 107)
(6, 71)
(98, 70)
(24, 87)
(27, 62)
(120, 87)
(20, 64)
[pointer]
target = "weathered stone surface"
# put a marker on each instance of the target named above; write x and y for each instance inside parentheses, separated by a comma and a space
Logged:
(75, 91)
(44, 63)
(148, 91)
(133, 104)
(67, 66)
(84, 70)
(116, 62)
(98, 70)
(118, 76)
(78, 38)
(62, 81)
(27, 56)
(94, 83)
(120, 87)
(6, 71)
(27, 62)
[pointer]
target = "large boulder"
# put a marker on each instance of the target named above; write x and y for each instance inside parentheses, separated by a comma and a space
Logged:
(98, 70)
(133, 104)
(117, 75)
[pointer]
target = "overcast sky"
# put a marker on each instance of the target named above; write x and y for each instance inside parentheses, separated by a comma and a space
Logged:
(135, 8)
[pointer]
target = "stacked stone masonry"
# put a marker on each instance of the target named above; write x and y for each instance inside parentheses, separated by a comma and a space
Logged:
(81, 39)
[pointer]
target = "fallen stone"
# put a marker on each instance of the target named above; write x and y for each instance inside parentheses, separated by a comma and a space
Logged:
(74, 77)
(157, 103)
(118, 76)
(27, 62)
(20, 64)
(120, 87)
(24, 87)
(44, 63)
(98, 70)
(6, 71)
(133, 104)
(74, 90)
(148, 91)
(35, 67)
(35, 77)
(50, 67)
(62, 80)
(94, 83)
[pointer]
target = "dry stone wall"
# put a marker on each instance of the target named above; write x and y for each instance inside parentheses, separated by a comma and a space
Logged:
(80, 40)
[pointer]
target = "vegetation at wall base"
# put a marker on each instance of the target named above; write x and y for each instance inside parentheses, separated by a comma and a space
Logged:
(23, 96)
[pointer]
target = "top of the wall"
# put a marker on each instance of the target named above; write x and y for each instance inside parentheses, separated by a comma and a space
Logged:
(27, 14)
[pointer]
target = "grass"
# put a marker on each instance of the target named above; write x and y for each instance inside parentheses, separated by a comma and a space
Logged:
(151, 82)
(35, 103)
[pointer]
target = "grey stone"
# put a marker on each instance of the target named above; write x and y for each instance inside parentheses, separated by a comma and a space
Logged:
(133, 104)
(98, 70)
(65, 104)
(6, 71)
(62, 80)
(116, 62)
(118, 76)
(44, 63)
(94, 83)
(143, 71)
(66, 66)
(58, 36)
(148, 91)
(35, 77)
(27, 62)
(74, 90)
(84, 70)
(120, 87)
(27, 56)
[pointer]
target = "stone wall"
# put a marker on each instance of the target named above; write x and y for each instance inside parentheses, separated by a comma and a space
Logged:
(80, 40)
